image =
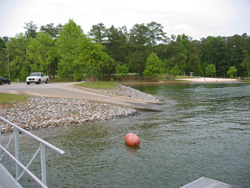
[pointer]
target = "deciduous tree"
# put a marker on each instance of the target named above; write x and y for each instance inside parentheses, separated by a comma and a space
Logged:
(232, 70)
(19, 63)
(94, 55)
(210, 70)
(67, 48)
(41, 52)
(122, 70)
(3, 58)
(153, 66)
(175, 70)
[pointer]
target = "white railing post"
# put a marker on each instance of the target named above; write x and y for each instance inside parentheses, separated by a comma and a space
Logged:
(17, 152)
(43, 164)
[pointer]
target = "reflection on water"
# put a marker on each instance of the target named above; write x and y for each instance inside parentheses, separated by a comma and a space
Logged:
(203, 130)
(133, 151)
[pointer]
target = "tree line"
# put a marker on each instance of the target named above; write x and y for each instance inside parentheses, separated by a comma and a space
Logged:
(68, 53)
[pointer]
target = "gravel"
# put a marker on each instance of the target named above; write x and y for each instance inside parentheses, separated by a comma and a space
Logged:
(130, 92)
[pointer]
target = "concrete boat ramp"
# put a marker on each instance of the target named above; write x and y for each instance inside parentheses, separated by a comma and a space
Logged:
(68, 90)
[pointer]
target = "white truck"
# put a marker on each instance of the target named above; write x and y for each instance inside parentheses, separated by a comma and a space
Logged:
(37, 77)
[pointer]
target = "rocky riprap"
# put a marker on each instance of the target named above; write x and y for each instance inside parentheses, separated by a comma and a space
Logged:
(43, 112)
(130, 92)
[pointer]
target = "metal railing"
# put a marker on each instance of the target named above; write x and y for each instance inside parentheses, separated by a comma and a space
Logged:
(41, 149)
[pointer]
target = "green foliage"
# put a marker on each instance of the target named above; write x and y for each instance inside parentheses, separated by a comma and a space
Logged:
(51, 30)
(67, 45)
(66, 51)
(153, 66)
(246, 62)
(156, 33)
(175, 70)
(3, 58)
(140, 47)
(122, 70)
(115, 44)
(41, 52)
(98, 32)
(31, 29)
(19, 63)
(232, 70)
(2, 44)
(210, 70)
(95, 56)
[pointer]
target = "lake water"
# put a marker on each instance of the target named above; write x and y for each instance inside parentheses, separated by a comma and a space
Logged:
(203, 130)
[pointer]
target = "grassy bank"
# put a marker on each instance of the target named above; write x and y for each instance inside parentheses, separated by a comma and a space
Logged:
(7, 100)
(246, 81)
(113, 85)
(157, 80)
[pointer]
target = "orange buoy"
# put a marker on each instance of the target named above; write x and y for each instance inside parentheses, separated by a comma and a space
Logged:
(131, 139)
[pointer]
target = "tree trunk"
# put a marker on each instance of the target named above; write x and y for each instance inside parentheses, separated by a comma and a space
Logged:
(48, 71)
(136, 73)
(92, 77)
(97, 76)
(69, 73)
(23, 72)
(139, 73)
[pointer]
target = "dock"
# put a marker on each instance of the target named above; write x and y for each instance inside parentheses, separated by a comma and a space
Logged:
(7, 180)
(208, 183)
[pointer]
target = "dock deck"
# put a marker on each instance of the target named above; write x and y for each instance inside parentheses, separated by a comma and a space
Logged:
(7, 180)
(208, 183)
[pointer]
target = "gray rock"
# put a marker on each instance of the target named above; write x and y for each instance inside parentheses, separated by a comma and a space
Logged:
(43, 112)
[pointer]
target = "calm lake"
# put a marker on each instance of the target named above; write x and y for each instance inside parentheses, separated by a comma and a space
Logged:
(203, 130)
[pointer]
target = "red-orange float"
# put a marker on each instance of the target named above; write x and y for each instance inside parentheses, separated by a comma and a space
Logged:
(132, 139)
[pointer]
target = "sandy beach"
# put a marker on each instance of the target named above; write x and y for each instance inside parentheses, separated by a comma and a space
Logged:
(206, 79)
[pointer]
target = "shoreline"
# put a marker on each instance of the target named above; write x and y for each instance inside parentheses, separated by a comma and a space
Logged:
(188, 80)
(42, 112)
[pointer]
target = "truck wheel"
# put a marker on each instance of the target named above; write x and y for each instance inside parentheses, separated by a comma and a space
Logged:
(28, 83)
(46, 81)
(39, 81)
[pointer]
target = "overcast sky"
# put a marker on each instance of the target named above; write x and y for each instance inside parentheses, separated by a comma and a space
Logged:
(195, 18)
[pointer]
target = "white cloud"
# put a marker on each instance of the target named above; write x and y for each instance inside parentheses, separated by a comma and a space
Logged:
(196, 18)
(184, 27)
